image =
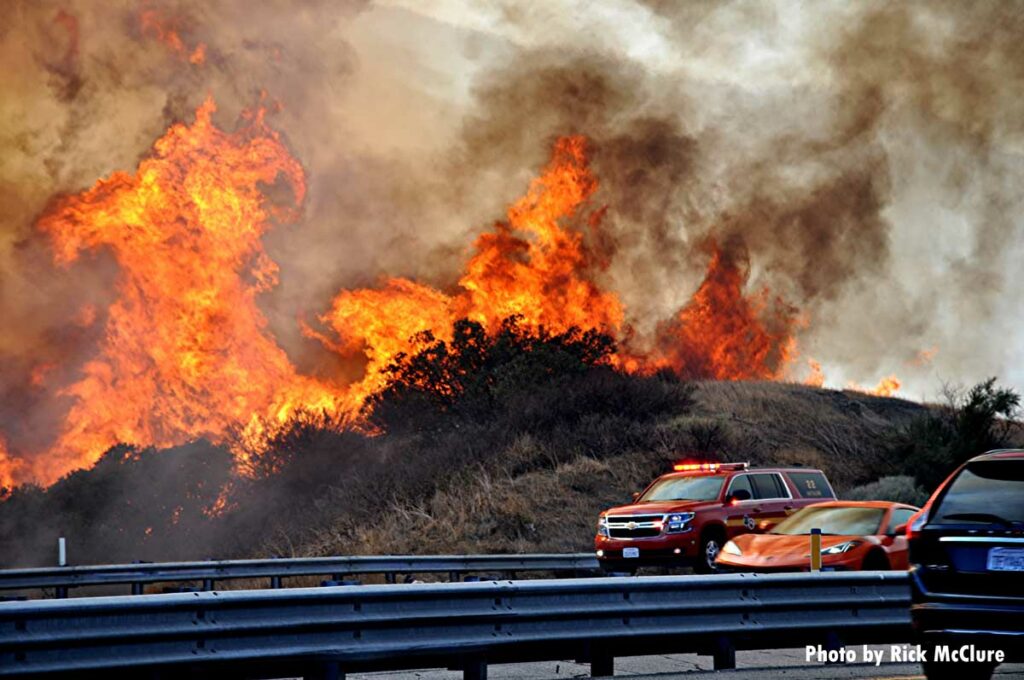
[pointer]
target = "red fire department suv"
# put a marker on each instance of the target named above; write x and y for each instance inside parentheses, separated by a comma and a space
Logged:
(684, 517)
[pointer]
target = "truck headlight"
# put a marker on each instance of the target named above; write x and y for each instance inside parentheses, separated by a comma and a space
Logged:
(731, 548)
(678, 522)
(602, 527)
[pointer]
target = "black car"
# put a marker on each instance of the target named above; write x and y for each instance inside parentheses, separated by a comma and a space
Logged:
(967, 568)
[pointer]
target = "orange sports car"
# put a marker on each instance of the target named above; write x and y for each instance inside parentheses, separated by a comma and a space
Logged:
(855, 535)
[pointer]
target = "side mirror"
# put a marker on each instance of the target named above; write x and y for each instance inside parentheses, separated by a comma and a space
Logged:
(899, 531)
(636, 494)
(739, 495)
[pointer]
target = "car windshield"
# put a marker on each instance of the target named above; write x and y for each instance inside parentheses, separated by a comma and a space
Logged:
(684, 488)
(837, 521)
(987, 492)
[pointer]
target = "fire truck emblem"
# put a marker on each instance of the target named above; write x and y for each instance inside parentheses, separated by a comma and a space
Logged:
(748, 522)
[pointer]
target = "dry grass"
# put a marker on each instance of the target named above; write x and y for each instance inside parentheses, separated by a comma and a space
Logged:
(543, 493)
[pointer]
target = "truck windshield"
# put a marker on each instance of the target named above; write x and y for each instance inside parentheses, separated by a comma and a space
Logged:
(687, 488)
(986, 492)
(836, 521)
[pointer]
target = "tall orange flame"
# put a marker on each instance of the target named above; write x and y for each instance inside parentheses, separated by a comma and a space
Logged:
(530, 267)
(186, 353)
(724, 334)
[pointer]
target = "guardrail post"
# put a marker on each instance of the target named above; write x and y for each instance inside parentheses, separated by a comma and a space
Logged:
(329, 670)
(61, 592)
(724, 656)
(389, 577)
(137, 588)
(833, 643)
(453, 576)
(207, 584)
(474, 668)
(602, 664)
(275, 581)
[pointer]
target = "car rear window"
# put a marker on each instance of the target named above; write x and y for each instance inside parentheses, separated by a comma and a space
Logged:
(986, 492)
(811, 484)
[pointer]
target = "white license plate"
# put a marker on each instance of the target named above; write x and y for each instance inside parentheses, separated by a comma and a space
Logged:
(631, 552)
(1006, 559)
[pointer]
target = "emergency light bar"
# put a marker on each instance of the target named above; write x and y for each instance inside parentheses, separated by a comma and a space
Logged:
(708, 467)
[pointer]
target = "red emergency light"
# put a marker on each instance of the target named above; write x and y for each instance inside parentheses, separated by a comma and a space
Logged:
(708, 467)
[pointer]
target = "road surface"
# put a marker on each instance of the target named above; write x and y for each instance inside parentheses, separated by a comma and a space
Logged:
(754, 665)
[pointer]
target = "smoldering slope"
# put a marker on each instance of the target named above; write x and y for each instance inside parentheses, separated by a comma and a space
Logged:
(865, 160)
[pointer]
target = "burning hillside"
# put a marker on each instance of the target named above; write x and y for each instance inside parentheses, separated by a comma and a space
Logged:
(185, 351)
(315, 206)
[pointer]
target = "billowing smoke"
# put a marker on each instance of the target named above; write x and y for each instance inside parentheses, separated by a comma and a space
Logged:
(863, 158)
(860, 162)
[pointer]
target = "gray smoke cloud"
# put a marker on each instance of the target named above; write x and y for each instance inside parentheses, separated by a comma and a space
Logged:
(864, 159)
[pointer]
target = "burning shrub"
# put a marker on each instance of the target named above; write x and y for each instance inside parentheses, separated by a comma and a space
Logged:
(469, 377)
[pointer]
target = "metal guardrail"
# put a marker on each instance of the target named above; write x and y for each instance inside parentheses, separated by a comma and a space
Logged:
(326, 632)
(210, 572)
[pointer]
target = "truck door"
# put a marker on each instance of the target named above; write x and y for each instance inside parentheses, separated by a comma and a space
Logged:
(742, 517)
(773, 500)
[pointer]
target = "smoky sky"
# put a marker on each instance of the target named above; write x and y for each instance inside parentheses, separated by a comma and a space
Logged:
(865, 159)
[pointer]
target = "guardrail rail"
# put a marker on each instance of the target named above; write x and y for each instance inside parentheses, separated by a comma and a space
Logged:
(210, 572)
(328, 631)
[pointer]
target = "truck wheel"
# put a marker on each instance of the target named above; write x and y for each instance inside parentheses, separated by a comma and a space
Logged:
(710, 545)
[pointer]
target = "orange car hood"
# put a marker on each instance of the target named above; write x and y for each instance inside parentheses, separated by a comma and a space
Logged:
(773, 549)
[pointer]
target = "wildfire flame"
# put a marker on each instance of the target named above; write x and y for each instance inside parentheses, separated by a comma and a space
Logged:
(887, 387)
(816, 378)
(724, 335)
(9, 468)
(528, 267)
(186, 352)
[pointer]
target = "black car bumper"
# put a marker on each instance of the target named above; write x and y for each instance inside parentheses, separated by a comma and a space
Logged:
(987, 622)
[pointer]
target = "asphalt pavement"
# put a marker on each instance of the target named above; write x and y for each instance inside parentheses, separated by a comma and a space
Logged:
(753, 665)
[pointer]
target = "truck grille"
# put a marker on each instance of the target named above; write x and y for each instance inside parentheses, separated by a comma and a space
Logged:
(634, 533)
(634, 526)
